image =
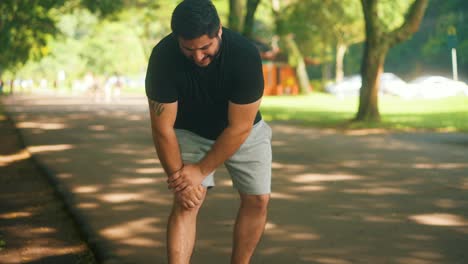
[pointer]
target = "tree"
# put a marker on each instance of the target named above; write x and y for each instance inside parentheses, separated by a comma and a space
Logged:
(378, 42)
(235, 15)
(249, 17)
(323, 26)
(295, 57)
(240, 21)
(27, 26)
(24, 30)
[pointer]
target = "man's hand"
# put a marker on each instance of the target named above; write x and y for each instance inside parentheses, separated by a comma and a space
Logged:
(189, 176)
(190, 197)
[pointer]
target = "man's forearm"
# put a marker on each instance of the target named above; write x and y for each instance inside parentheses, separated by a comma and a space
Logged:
(167, 148)
(225, 146)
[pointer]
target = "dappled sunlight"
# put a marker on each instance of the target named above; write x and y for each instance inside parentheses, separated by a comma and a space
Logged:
(49, 148)
(147, 161)
(42, 230)
(366, 132)
(149, 196)
(284, 196)
(278, 143)
(119, 197)
(15, 215)
(125, 208)
(464, 185)
(312, 177)
(5, 160)
(421, 257)
(447, 203)
(273, 250)
(88, 205)
(65, 175)
(378, 191)
(380, 219)
(149, 171)
(138, 181)
(439, 219)
(328, 260)
(142, 242)
(97, 128)
(308, 188)
(224, 183)
(336, 196)
(87, 189)
(103, 136)
(420, 238)
(444, 166)
(123, 149)
(352, 163)
(44, 126)
(135, 118)
(288, 167)
(35, 253)
(134, 232)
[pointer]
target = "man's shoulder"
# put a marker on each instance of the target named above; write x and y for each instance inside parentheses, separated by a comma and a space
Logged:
(167, 47)
(238, 43)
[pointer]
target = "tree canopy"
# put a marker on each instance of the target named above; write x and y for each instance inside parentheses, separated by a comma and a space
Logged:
(38, 38)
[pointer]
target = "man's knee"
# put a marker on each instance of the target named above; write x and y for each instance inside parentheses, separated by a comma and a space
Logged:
(181, 206)
(258, 202)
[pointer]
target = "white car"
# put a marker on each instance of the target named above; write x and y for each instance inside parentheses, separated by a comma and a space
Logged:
(433, 87)
(350, 86)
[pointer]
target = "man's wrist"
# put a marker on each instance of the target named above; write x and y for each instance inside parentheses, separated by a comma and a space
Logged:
(176, 171)
(204, 170)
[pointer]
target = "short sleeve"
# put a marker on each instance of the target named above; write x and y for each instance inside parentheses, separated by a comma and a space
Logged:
(248, 81)
(159, 81)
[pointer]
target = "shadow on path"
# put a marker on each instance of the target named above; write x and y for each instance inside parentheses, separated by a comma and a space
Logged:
(338, 198)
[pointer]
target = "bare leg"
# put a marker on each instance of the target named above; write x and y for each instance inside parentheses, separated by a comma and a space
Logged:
(249, 227)
(181, 230)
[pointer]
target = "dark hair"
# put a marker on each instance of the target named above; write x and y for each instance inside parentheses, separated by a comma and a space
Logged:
(194, 18)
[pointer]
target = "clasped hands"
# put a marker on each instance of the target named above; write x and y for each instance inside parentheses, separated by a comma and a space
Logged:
(186, 185)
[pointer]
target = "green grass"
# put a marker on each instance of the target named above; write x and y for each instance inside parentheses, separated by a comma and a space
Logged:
(326, 111)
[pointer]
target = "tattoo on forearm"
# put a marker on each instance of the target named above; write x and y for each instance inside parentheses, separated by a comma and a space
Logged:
(158, 108)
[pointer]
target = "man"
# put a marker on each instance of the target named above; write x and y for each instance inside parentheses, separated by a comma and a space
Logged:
(204, 85)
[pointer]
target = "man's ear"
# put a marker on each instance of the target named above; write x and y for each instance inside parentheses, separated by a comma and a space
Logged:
(220, 31)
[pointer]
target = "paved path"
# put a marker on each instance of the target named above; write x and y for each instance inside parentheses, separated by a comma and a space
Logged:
(34, 225)
(339, 198)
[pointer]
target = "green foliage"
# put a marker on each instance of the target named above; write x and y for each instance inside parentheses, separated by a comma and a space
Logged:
(88, 45)
(320, 25)
(427, 52)
(26, 26)
(113, 47)
(25, 30)
(103, 7)
(392, 13)
(67, 36)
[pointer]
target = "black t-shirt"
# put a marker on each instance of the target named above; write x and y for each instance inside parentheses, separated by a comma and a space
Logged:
(203, 93)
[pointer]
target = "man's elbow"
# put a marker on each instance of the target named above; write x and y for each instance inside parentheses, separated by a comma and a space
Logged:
(160, 133)
(242, 130)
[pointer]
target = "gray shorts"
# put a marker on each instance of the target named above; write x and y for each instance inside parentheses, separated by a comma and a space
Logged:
(249, 167)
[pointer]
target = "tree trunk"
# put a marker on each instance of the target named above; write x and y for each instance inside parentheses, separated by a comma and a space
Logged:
(340, 53)
(326, 72)
(371, 71)
(377, 44)
(235, 15)
(297, 60)
(250, 17)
